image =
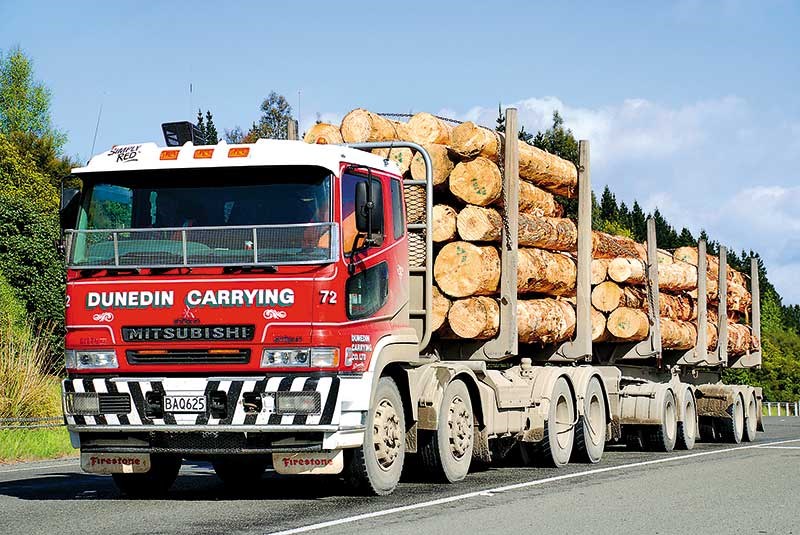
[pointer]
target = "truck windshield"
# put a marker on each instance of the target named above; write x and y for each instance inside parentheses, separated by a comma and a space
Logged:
(247, 215)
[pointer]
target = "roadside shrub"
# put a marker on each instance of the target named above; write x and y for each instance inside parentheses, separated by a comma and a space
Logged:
(26, 389)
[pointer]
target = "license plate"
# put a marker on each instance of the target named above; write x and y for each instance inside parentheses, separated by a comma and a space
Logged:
(185, 404)
(115, 463)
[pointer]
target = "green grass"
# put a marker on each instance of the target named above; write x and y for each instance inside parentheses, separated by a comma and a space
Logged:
(31, 444)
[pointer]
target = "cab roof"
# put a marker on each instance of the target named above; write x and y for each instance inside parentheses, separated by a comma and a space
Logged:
(264, 152)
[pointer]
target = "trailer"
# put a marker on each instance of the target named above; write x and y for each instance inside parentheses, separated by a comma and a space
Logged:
(286, 322)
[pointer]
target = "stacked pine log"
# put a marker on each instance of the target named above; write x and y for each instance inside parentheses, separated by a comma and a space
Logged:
(619, 295)
(467, 224)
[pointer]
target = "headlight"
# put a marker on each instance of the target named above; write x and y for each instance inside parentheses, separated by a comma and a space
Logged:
(90, 360)
(315, 357)
(285, 357)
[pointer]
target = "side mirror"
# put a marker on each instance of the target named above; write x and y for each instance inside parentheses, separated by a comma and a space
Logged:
(369, 209)
(70, 202)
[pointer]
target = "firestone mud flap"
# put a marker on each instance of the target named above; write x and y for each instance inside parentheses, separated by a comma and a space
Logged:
(331, 462)
(115, 463)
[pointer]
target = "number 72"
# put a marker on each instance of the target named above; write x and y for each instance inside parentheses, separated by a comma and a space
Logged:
(327, 297)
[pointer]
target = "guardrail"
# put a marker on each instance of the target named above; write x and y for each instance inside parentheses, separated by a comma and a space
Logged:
(788, 408)
(31, 423)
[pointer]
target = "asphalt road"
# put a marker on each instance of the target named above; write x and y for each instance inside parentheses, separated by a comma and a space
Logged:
(716, 488)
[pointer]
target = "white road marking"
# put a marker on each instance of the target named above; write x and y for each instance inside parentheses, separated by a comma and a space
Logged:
(781, 447)
(517, 486)
(39, 467)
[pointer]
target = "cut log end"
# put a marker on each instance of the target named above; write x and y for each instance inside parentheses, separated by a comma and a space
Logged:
(464, 269)
(628, 324)
(323, 134)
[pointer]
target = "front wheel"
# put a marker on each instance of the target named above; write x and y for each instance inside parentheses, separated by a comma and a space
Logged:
(375, 467)
(447, 452)
(155, 482)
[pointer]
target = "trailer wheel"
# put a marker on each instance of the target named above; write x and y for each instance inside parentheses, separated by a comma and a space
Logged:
(590, 436)
(376, 466)
(555, 448)
(156, 482)
(447, 452)
(662, 437)
(687, 429)
(751, 420)
(733, 427)
(237, 471)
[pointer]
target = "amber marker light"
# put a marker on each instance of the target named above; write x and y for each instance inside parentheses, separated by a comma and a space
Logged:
(203, 154)
(238, 152)
(169, 155)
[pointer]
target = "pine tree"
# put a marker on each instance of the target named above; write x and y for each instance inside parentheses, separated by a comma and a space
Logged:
(609, 212)
(638, 223)
(212, 136)
(666, 237)
(685, 239)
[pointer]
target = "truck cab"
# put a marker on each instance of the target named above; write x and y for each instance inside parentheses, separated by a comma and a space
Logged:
(226, 302)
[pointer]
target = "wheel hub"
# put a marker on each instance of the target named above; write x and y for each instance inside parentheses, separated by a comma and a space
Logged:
(386, 434)
(459, 424)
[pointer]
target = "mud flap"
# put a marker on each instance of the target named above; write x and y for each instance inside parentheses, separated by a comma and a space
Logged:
(324, 462)
(115, 463)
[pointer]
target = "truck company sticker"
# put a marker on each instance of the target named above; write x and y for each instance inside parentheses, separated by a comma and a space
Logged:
(360, 348)
(131, 299)
(125, 153)
(259, 297)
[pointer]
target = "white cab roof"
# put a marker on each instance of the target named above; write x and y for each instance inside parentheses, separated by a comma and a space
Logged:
(264, 152)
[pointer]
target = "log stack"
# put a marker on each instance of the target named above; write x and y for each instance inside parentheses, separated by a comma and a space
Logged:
(467, 223)
(620, 293)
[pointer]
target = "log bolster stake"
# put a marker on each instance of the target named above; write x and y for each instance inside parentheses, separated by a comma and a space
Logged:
(699, 355)
(650, 346)
(507, 343)
(581, 346)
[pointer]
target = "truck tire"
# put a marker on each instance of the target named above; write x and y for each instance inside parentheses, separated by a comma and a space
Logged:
(237, 471)
(751, 420)
(156, 482)
(662, 437)
(732, 429)
(447, 452)
(590, 434)
(687, 429)
(555, 449)
(376, 466)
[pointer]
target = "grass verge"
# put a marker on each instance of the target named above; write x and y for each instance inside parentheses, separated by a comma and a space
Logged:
(32, 444)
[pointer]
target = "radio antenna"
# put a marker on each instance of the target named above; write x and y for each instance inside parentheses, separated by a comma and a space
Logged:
(97, 125)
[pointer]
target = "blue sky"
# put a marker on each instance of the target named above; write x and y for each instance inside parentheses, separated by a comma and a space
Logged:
(691, 106)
